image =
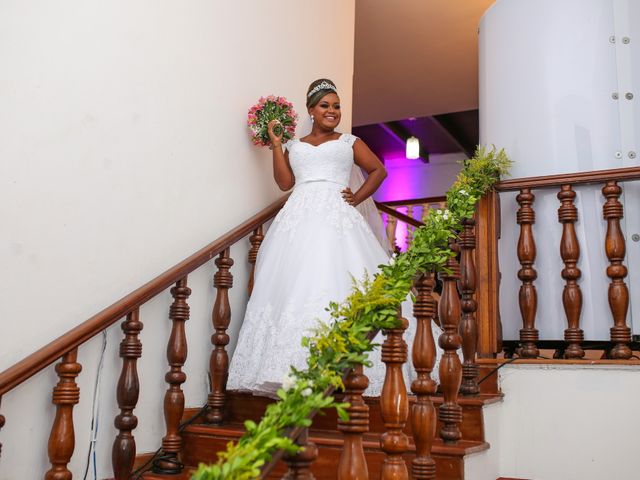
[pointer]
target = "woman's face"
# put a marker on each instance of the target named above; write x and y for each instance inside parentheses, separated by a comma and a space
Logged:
(326, 113)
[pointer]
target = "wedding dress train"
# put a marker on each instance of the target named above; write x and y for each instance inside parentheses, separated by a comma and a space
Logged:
(314, 246)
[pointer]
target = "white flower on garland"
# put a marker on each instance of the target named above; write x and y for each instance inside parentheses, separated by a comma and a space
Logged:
(306, 392)
(288, 382)
(392, 260)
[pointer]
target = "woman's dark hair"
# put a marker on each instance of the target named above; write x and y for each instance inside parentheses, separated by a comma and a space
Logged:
(313, 100)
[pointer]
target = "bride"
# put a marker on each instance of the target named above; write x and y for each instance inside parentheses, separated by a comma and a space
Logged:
(317, 242)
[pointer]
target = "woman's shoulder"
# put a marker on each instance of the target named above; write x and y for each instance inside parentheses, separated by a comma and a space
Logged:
(290, 143)
(348, 138)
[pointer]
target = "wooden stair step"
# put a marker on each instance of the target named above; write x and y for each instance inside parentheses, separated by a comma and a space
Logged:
(245, 406)
(202, 442)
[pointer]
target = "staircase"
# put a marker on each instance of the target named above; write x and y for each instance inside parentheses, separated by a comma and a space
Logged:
(202, 441)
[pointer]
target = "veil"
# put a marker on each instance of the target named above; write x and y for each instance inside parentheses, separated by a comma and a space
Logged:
(369, 211)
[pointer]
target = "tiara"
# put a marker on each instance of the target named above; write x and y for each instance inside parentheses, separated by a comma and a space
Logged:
(321, 86)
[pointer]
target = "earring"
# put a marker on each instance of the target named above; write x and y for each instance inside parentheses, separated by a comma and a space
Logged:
(311, 118)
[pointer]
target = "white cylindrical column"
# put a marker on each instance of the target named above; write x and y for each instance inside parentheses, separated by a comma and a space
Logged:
(553, 79)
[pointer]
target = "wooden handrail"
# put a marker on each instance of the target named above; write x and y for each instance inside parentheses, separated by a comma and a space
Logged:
(579, 178)
(400, 216)
(415, 201)
(32, 364)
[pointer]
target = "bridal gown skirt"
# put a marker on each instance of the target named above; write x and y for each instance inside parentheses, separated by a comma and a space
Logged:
(308, 257)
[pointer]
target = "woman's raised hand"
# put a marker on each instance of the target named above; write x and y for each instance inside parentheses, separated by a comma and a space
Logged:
(276, 140)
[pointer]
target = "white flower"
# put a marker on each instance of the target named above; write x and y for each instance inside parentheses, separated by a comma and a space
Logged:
(392, 260)
(288, 382)
(306, 392)
(462, 192)
(439, 212)
(445, 216)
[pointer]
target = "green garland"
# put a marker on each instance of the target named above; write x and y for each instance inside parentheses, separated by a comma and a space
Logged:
(343, 343)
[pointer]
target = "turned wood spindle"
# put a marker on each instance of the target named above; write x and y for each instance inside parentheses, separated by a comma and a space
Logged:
(410, 228)
(255, 240)
(300, 463)
(392, 225)
(394, 405)
(423, 413)
(174, 397)
(66, 394)
(123, 452)
(450, 413)
(425, 211)
(353, 463)
(468, 304)
(528, 297)
(570, 253)
(615, 248)
(1, 425)
(221, 317)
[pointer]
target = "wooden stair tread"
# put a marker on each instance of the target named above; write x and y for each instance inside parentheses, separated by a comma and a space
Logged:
(203, 441)
(333, 438)
(243, 406)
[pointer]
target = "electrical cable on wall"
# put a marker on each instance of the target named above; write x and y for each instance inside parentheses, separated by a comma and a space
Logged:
(95, 414)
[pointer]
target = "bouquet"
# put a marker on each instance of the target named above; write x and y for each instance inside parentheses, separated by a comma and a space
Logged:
(266, 110)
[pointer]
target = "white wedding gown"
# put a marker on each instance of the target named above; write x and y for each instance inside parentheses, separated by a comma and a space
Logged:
(313, 247)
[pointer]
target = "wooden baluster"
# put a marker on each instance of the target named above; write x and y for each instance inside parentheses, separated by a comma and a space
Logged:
(423, 413)
(615, 248)
(353, 463)
(450, 413)
(528, 297)
(425, 211)
(410, 228)
(1, 425)
(221, 317)
(255, 240)
(66, 394)
(570, 253)
(123, 452)
(392, 225)
(300, 463)
(394, 405)
(468, 325)
(174, 397)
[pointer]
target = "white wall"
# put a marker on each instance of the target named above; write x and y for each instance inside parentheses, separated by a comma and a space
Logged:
(562, 422)
(124, 149)
(548, 72)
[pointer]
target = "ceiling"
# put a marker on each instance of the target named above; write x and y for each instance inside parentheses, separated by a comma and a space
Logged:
(415, 58)
(438, 134)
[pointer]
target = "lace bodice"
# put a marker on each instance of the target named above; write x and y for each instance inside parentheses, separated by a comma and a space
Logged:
(330, 161)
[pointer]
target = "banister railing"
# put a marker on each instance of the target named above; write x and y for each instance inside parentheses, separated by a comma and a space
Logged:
(394, 403)
(66, 393)
(613, 248)
(32, 364)
(410, 212)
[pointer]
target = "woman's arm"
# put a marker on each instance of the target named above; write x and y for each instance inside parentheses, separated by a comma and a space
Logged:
(376, 173)
(282, 173)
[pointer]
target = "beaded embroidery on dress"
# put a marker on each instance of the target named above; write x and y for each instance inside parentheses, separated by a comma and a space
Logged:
(313, 247)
